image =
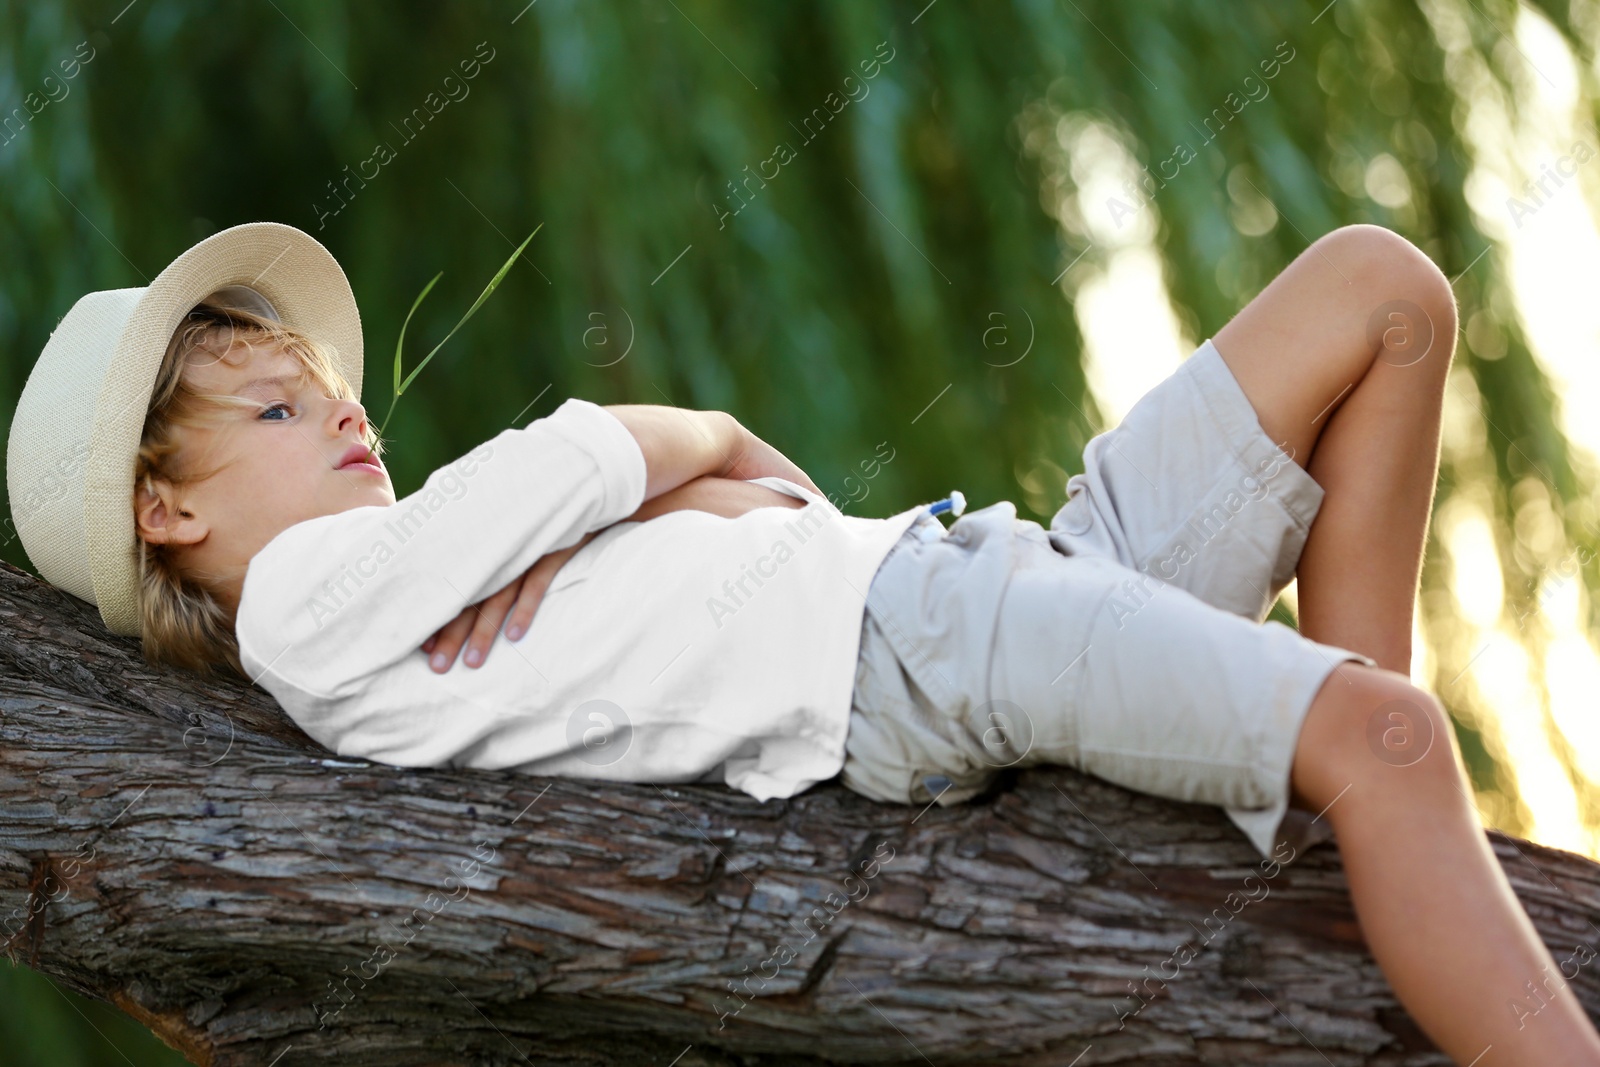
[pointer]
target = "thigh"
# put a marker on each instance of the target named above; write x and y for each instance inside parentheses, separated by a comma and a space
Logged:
(1358, 294)
(1190, 491)
(1161, 693)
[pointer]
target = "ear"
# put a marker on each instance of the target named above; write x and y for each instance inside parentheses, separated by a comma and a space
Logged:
(160, 517)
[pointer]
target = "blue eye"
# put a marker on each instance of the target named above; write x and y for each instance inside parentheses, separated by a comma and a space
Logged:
(272, 408)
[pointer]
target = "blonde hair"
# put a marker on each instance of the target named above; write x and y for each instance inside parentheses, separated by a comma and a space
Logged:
(182, 622)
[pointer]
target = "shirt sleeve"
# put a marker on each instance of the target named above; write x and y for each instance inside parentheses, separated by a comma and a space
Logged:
(333, 599)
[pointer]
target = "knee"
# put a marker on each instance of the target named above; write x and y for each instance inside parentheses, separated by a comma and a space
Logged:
(1371, 728)
(1393, 273)
(1406, 727)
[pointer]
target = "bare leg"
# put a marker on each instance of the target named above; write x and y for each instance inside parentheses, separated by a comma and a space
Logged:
(1363, 418)
(1344, 357)
(1435, 907)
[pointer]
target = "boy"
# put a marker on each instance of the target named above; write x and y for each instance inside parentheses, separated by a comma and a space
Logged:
(691, 626)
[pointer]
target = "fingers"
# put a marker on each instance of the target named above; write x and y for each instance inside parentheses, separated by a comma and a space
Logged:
(535, 583)
(475, 628)
(447, 641)
(738, 454)
(533, 589)
(486, 622)
(758, 459)
(512, 608)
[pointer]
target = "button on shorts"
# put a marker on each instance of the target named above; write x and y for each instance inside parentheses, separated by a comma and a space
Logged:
(1126, 640)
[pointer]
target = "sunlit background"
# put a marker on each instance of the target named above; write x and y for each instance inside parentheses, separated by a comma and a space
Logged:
(980, 201)
(1511, 652)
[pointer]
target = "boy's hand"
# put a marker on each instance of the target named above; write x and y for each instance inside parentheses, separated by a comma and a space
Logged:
(728, 497)
(754, 458)
(477, 624)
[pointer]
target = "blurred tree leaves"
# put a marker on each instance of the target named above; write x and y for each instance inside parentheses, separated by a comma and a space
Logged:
(43, 1025)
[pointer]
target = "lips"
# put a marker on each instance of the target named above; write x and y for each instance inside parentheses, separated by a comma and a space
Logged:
(359, 455)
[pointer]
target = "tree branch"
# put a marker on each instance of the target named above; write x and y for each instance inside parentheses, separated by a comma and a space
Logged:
(181, 849)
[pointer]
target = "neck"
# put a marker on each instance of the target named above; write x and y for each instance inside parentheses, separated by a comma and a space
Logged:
(227, 596)
(226, 578)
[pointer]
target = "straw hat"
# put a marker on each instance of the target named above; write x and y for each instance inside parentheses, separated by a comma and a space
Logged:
(75, 436)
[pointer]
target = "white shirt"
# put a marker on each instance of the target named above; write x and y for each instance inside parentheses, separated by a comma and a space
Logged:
(691, 647)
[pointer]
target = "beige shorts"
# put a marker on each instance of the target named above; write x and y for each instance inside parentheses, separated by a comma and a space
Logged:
(1126, 640)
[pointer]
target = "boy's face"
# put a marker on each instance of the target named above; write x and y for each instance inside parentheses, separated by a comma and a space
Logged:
(280, 464)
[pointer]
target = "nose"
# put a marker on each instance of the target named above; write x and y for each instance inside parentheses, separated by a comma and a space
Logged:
(347, 413)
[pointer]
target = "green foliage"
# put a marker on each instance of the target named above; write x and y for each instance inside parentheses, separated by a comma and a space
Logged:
(43, 1025)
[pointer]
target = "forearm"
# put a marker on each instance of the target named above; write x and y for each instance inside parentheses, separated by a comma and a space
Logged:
(680, 445)
(694, 460)
(728, 497)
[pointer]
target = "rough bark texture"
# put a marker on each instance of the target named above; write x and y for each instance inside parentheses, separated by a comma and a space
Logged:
(179, 848)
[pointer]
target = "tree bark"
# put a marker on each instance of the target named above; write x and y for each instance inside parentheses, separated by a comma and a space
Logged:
(178, 847)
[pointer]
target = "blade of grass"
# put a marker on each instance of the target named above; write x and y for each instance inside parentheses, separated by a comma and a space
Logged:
(398, 388)
(400, 385)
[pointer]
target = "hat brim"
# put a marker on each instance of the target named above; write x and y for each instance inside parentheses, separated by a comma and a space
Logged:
(303, 284)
